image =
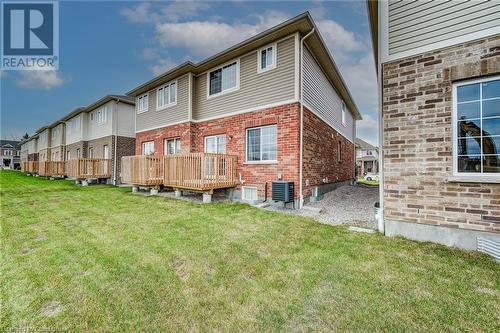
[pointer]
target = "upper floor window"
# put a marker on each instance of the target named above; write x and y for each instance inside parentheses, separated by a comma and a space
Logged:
(215, 144)
(102, 115)
(266, 58)
(369, 152)
(224, 79)
(8, 152)
(262, 144)
(166, 95)
(148, 148)
(343, 114)
(142, 103)
(172, 146)
(476, 124)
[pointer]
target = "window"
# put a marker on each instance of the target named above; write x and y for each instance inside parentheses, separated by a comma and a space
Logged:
(105, 151)
(102, 115)
(166, 96)
(343, 114)
(369, 153)
(339, 151)
(8, 152)
(215, 144)
(142, 103)
(172, 146)
(91, 152)
(78, 155)
(91, 115)
(476, 142)
(148, 148)
(224, 79)
(68, 155)
(266, 58)
(248, 193)
(262, 144)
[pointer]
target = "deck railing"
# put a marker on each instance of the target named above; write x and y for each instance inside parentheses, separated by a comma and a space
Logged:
(88, 168)
(51, 168)
(200, 171)
(31, 167)
(142, 170)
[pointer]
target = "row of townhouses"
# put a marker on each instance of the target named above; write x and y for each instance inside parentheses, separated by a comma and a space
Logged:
(275, 103)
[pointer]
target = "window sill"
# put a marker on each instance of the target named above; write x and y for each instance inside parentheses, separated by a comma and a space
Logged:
(228, 91)
(166, 106)
(474, 179)
(139, 112)
(264, 70)
(260, 163)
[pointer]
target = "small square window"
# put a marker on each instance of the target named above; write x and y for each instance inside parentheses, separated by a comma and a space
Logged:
(249, 193)
(266, 58)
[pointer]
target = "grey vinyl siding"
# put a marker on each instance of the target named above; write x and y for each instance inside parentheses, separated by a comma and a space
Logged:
(153, 118)
(256, 89)
(321, 97)
(414, 24)
(125, 121)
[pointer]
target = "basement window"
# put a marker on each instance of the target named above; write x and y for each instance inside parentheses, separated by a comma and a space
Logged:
(248, 193)
(476, 127)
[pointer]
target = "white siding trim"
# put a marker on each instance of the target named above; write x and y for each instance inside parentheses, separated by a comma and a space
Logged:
(310, 108)
(257, 108)
(190, 97)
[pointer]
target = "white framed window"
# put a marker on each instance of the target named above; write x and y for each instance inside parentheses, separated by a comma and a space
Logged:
(248, 193)
(105, 151)
(343, 114)
(91, 152)
(266, 58)
(142, 103)
(224, 79)
(68, 155)
(101, 115)
(262, 144)
(172, 146)
(166, 96)
(215, 144)
(78, 154)
(148, 148)
(476, 128)
(92, 116)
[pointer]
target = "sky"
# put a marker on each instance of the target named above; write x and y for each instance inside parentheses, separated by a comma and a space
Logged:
(111, 47)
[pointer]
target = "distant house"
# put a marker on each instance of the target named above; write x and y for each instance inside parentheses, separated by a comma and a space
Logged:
(10, 154)
(438, 66)
(366, 157)
(276, 102)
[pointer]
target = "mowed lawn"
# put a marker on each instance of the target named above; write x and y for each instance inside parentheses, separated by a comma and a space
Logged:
(98, 258)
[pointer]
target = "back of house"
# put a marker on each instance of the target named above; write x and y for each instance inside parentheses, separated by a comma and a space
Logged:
(276, 102)
(439, 79)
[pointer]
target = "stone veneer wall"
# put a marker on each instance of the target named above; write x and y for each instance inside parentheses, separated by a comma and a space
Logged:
(417, 142)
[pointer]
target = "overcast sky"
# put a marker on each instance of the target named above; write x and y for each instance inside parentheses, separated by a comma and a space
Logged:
(111, 47)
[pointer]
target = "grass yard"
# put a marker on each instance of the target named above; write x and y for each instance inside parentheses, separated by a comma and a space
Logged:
(363, 181)
(94, 259)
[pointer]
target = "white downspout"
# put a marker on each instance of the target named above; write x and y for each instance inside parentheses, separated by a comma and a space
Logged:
(301, 100)
(115, 125)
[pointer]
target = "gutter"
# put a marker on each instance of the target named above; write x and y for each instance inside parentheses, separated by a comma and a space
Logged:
(301, 99)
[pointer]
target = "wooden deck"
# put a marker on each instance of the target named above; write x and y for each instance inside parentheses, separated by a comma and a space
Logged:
(30, 167)
(88, 168)
(196, 171)
(142, 170)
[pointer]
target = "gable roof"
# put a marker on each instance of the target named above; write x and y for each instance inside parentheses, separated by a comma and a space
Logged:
(302, 23)
(12, 143)
(363, 144)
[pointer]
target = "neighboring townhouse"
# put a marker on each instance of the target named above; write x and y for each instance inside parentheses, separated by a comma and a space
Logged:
(438, 69)
(104, 129)
(43, 143)
(10, 154)
(24, 151)
(276, 101)
(57, 141)
(366, 157)
(32, 147)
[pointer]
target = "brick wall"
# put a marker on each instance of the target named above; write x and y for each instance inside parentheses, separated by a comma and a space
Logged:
(44, 154)
(82, 145)
(98, 146)
(125, 147)
(417, 112)
(321, 153)
(33, 157)
(320, 144)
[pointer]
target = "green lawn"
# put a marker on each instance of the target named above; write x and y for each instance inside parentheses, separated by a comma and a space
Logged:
(98, 258)
(362, 180)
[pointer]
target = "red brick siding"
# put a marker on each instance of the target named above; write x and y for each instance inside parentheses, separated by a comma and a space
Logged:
(321, 152)
(417, 115)
(182, 131)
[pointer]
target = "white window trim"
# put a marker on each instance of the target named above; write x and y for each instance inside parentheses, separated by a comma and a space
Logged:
(344, 114)
(246, 146)
(464, 176)
(227, 91)
(138, 104)
(259, 58)
(243, 193)
(165, 141)
(142, 147)
(101, 113)
(168, 105)
(216, 142)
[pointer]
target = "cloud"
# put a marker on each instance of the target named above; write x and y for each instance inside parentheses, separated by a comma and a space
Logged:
(367, 129)
(138, 14)
(173, 12)
(40, 79)
(162, 66)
